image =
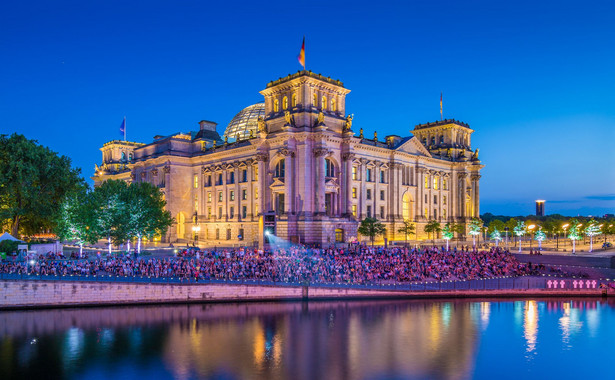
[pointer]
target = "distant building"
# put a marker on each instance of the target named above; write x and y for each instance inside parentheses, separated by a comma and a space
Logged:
(294, 166)
(540, 207)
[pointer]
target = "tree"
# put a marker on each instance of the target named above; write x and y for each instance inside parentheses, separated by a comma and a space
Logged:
(34, 182)
(460, 228)
(474, 229)
(520, 231)
(447, 233)
(371, 227)
(407, 229)
(574, 233)
(539, 236)
(110, 218)
(496, 224)
(497, 236)
(74, 220)
(592, 230)
(432, 227)
(146, 215)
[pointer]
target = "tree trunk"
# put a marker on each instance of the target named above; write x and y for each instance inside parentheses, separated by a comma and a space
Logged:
(15, 227)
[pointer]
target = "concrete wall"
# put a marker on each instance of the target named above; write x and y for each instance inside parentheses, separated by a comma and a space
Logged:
(21, 294)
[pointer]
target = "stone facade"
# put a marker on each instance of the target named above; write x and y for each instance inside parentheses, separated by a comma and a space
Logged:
(304, 172)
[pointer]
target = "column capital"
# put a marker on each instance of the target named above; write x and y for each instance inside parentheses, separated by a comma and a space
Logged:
(475, 177)
(318, 152)
(261, 157)
(348, 156)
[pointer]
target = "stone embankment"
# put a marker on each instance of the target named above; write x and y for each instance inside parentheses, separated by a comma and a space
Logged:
(41, 294)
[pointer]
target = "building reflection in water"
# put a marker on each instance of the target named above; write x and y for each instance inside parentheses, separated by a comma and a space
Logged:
(346, 340)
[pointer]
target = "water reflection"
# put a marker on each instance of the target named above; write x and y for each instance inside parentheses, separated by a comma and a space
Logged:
(345, 340)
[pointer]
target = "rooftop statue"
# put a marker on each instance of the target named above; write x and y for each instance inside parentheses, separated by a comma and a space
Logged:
(348, 123)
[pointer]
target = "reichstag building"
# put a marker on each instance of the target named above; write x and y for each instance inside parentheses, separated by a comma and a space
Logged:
(295, 167)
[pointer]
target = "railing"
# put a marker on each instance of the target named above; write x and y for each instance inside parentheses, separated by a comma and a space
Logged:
(501, 283)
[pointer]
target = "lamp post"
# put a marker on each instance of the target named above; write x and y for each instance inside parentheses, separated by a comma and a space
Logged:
(530, 228)
(506, 236)
(565, 226)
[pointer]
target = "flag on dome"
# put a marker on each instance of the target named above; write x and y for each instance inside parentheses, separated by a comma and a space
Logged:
(301, 56)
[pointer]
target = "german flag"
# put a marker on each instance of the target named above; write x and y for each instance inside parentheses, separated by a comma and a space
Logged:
(301, 56)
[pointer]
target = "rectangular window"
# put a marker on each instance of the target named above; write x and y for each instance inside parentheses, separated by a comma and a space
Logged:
(232, 195)
(354, 210)
(244, 211)
(219, 179)
(279, 204)
(382, 176)
(354, 192)
(381, 195)
(231, 178)
(426, 212)
(354, 173)
(219, 196)
(208, 183)
(244, 194)
(219, 212)
(256, 173)
(444, 199)
(435, 183)
(369, 211)
(244, 175)
(426, 182)
(328, 204)
(381, 212)
(369, 175)
(232, 212)
(240, 236)
(444, 184)
(368, 194)
(209, 196)
(208, 212)
(426, 200)
(228, 234)
(256, 193)
(196, 181)
(435, 199)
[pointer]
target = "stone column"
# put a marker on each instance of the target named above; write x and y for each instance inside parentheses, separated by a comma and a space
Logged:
(262, 159)
(346, 184)
(362, 209)
(250, 184)
(420, 183)
(289, 173)
(462, 194)
(319, 201)
(475, 198)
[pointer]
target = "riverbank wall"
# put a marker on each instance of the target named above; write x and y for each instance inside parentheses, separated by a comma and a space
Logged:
(17, 294)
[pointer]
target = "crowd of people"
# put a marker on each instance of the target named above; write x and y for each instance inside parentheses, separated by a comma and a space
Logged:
(357, 265)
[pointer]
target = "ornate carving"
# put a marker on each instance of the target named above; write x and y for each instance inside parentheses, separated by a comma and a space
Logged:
(475, 155)
(462, 175)
(167, 169)
(290, 120)
(261, 157)
(318, 152)
(262, 126)
(348, 156)
(361, 133)
(475, 177)
(133, 176)
(251, 133)
(348, 123)
(286, 152)
(320, 120)
(155, 172)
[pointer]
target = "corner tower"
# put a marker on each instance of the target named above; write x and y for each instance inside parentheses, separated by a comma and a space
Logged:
(305, 101)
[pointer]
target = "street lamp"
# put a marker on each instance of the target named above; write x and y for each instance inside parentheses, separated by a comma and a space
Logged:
(565, 226)
(530, 228)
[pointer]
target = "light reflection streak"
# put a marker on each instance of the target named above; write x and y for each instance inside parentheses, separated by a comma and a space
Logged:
(530, 325)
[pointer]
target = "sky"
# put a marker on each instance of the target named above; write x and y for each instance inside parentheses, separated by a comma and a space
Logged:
(534, 79)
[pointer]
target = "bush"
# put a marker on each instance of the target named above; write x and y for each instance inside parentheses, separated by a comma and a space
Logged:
(8, 246)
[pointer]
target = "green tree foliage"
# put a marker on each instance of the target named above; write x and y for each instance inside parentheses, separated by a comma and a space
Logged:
(433, 227)
(75, 218)
(34, 181)
(496, 224)
(447, 231)
(407, 229)
(371, 227)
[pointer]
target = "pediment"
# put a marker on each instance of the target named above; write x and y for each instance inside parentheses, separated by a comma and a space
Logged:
(413, 146)
(277, 183)
(331, 185)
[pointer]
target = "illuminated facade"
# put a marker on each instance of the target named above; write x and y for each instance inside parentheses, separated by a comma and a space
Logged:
(301, 170)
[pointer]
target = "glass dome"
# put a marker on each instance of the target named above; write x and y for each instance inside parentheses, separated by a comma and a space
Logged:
(244, 122)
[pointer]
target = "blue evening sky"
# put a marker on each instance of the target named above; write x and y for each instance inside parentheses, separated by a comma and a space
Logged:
(534, 79)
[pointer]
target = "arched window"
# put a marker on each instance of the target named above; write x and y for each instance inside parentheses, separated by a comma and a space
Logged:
(285, 103)
(433, 140)
(329, 168)
(123, 156)
(333, 105)
(294, 100)
(130, 156)
(280, 168)
(315, 101)
(424, 140)
(276, 105)
(441, 139)
(324, 103)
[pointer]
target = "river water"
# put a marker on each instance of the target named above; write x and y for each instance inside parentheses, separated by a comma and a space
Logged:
(457, 339)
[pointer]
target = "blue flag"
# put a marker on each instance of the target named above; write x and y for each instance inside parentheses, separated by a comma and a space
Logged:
(123, 128)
